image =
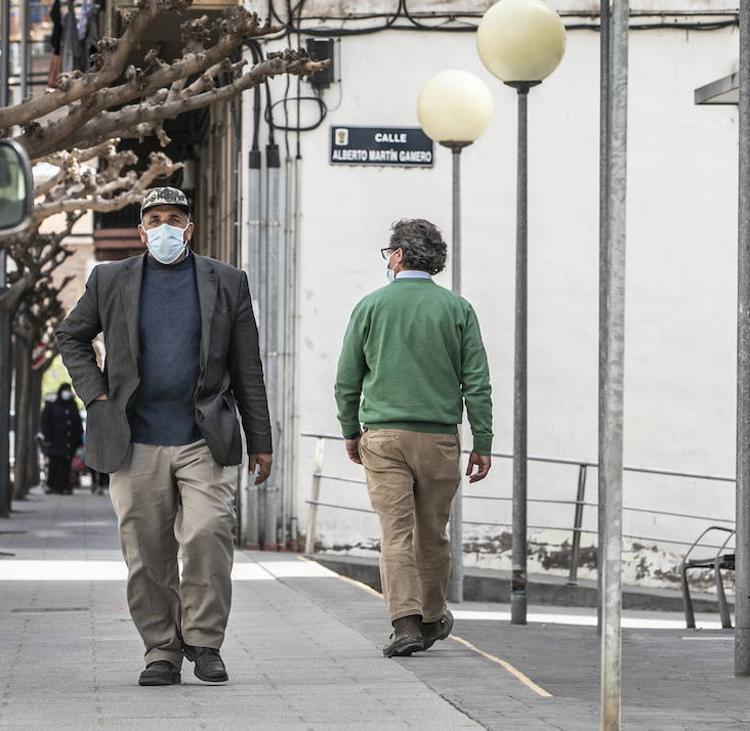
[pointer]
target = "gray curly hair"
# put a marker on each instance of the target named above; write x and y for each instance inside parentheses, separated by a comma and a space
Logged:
(422, 244)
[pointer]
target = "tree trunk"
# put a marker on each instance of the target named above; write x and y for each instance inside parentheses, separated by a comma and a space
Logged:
(33, 475)
(23, 416)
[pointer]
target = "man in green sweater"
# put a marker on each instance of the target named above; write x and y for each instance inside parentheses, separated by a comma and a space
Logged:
(412, 356)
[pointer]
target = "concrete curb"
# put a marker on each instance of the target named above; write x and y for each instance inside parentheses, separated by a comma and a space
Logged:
(484, 585)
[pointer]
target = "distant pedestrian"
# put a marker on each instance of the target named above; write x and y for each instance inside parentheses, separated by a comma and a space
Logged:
(63, 434)
(181, 359)
(412, 356)
(99, 480)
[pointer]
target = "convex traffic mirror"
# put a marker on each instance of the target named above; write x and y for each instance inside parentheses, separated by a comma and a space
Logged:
(16, 188)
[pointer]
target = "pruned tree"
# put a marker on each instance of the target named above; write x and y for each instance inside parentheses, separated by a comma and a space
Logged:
(111, 100)
(38, 315)
(76, 122)
(74, 127)
(32, 298)
(77, 187)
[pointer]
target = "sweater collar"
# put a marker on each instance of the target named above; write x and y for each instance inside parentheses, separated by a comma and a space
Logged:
(152, 263)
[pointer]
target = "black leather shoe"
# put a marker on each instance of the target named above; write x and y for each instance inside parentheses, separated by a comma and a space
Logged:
(440, 630)
(406, 638)
(209, 666)
(160, 672)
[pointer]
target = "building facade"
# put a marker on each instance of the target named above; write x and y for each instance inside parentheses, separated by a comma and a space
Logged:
(681, 267)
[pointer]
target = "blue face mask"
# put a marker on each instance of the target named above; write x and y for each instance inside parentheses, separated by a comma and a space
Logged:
(389, 273)
(166, 243)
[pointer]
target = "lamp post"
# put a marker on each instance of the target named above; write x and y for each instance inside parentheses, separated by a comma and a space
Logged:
(521, 42)
(454, 109)
(6, 365)
(742, 574)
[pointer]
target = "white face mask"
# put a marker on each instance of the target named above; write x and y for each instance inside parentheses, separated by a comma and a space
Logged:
(166, 243)
(66, 395)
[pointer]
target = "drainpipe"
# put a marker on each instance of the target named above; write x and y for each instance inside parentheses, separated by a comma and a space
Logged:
(251, 522)
(272, 344)
(292, 350)
(285, 305)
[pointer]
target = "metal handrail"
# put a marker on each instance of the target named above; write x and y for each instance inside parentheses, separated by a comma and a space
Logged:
(571, 462)
(549, 501)
(351, 508)
(579, 503)
(651, 511)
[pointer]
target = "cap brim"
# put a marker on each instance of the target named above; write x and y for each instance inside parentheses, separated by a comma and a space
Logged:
(162, 203)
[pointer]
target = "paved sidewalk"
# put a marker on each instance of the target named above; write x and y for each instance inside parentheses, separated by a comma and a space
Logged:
(71, 655)
(303, 651)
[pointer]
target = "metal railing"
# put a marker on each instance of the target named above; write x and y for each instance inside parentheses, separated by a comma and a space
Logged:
(579, 503)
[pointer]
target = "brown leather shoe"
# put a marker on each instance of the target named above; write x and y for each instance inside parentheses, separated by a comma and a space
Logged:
(440, 630)
(406, 638)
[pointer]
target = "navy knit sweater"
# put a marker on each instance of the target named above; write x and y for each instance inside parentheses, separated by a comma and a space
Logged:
(163, 412)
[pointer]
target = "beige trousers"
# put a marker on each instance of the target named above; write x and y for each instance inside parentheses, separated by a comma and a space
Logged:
(412, 478)
(167, 498)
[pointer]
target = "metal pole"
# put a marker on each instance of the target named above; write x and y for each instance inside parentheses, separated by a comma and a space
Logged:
(518, 580)
(25, 11)
(4, 52)
(293, 439)
(251, 537)
(312, 515)
(604, 123)
(273, 341)
(6, 375)
(612, 417)
(6, 366)
(577, 524)
(253, 256)
(456, 190)
(742, 572)
(456, 585)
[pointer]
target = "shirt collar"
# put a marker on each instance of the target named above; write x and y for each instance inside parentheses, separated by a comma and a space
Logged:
(413, 274)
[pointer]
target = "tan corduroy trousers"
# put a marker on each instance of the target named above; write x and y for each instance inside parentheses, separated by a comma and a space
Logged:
(412, 478)
(170, 498)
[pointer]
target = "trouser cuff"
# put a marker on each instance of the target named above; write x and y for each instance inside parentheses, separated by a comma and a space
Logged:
(173, 657)
(405, 613)
(198, 638)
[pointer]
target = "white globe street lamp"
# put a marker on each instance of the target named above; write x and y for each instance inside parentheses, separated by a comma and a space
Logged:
(521, 42)
(454, 109)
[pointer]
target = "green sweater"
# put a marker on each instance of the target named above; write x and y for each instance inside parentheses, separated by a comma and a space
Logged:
(412, 355)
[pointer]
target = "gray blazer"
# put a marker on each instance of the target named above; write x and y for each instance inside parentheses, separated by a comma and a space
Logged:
(231, 374)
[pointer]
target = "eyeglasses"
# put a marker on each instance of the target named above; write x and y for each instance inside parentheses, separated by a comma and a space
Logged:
(386, 252)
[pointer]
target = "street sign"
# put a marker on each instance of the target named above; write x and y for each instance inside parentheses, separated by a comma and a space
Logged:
(381, 146)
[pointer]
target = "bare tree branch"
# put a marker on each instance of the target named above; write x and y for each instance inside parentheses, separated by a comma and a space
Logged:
(235, 25)
(160, 166)
(159, 107)
(109, 64)
(66, 160)
(10, 298)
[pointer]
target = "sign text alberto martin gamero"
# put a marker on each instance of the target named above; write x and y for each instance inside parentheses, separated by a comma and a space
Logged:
(383, 146)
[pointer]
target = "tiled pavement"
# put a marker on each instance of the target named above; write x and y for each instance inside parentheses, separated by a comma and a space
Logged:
(303, 652)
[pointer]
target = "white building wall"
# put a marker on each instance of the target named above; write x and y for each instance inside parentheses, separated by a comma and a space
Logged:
(681, 323)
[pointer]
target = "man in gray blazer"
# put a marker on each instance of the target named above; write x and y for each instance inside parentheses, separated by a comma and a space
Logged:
(181, 359)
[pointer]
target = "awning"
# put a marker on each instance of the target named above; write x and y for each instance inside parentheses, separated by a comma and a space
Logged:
(723, 91)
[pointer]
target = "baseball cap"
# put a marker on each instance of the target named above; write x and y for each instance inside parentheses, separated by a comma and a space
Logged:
(165, 196)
